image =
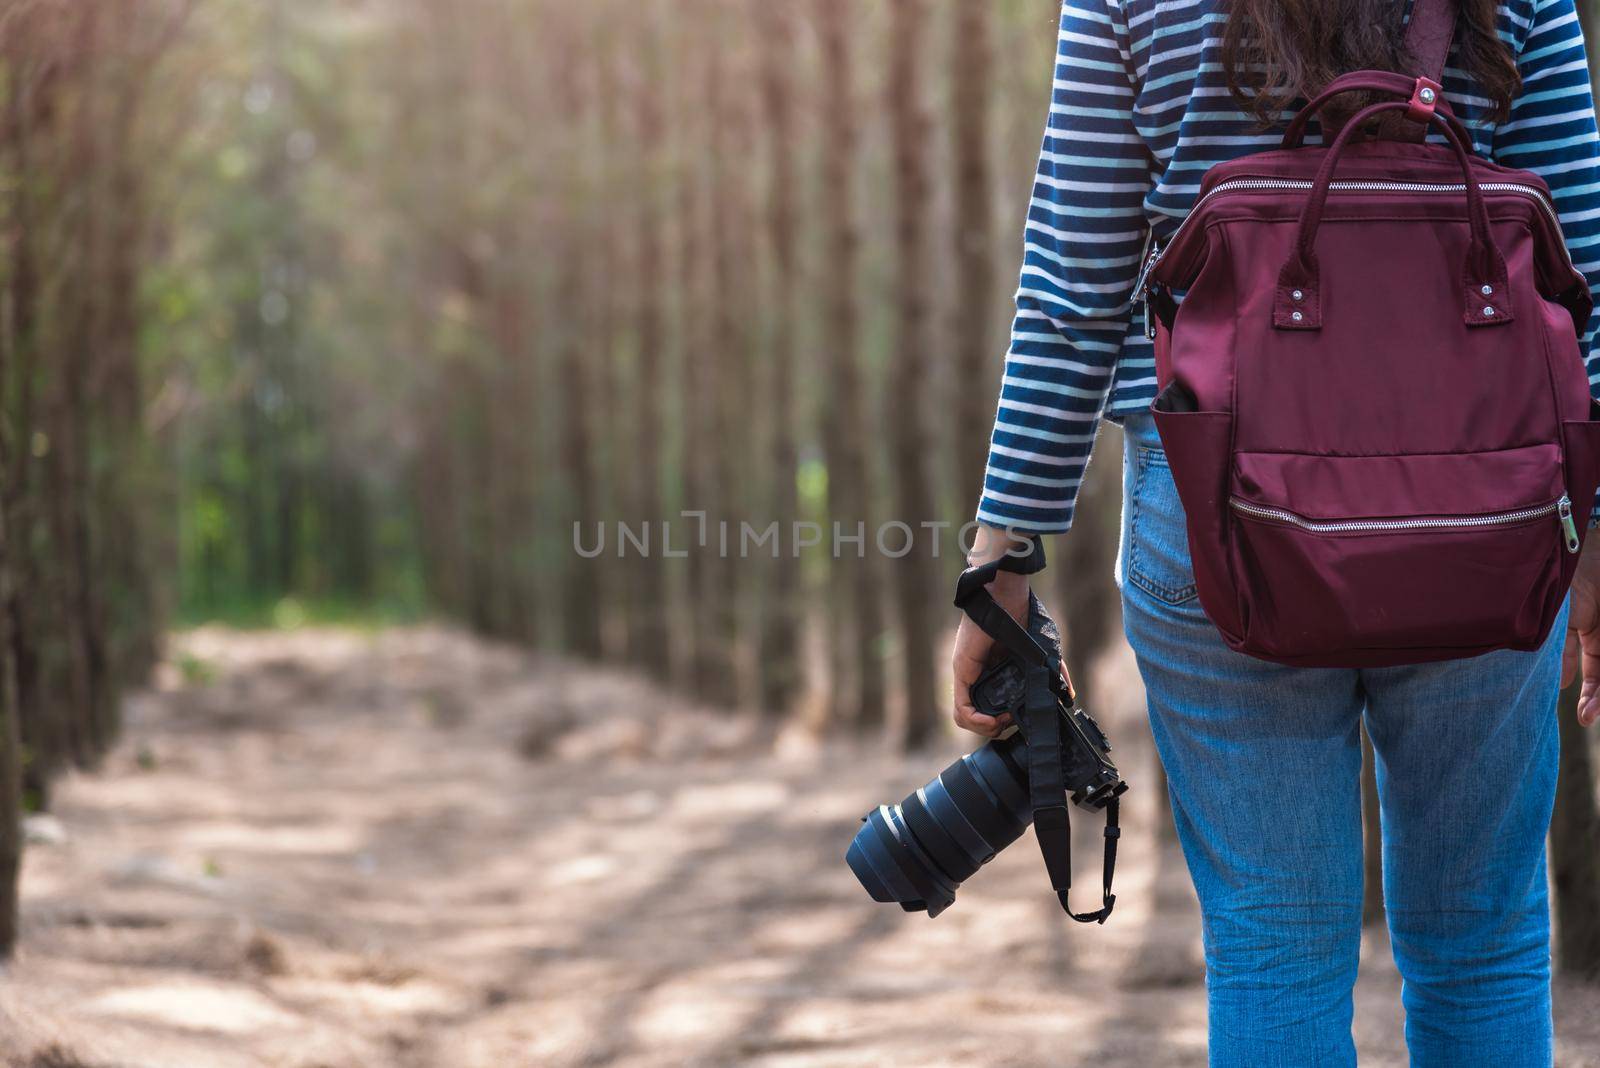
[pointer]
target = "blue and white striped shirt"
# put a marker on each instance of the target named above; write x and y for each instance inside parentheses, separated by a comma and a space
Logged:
(1140, 113)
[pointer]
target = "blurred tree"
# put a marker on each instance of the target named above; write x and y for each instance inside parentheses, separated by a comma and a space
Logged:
(977, 349)
(855, 626)
(79, 618)
(731, 350)
(696, 344)
(613, 182)
(11, 786)
(1575, 848)
(779, 653)
(68, 462)
(582, 359)
(918, 576)
(651, 645)
(1085, 560)
(33, 76)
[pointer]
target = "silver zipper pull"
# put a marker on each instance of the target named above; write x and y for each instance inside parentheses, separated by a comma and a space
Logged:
(1568, 528)
(1141, 288)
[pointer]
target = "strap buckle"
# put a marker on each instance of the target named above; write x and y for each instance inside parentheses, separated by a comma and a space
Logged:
(1425, 97)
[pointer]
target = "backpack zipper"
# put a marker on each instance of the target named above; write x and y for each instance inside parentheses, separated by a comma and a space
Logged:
(1561, 508)
(1569, 529)
(1158, 250)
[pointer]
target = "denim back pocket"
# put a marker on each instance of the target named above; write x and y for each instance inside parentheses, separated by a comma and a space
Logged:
(1158, 543)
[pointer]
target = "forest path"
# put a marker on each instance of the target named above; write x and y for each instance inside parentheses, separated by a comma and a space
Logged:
(328, 849)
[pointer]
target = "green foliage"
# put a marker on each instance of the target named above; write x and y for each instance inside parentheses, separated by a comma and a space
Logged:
(292, 613)
(195, 670)
(394, 319)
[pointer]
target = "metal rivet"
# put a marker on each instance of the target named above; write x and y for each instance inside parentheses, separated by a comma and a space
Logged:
(1488, 312)
(1427, 95)
(1298, 316)
(1298, 295)
(1487, 291)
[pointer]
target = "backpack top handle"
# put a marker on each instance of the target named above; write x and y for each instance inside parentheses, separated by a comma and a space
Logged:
(1416, 91)
(1298, 303)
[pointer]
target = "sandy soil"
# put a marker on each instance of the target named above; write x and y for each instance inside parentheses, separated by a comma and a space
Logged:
(328, 849)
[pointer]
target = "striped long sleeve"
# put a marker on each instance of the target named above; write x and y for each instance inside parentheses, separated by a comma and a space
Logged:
(1085, 232)
(1552, 132)
(1140, 112)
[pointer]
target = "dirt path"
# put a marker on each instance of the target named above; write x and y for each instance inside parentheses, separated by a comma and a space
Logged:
(409, 849)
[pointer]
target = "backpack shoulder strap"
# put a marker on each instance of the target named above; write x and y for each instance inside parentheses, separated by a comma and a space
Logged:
(1429, 34)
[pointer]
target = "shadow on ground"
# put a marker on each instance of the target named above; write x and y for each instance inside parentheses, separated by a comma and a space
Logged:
(328, 849)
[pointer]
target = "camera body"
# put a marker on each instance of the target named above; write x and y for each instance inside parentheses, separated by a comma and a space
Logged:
(1088, 773)
(918, 852)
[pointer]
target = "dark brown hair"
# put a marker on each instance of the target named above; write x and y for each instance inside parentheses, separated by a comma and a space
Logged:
(1277, 51)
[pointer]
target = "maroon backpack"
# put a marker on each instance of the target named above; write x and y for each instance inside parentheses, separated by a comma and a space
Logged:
(1372, 395)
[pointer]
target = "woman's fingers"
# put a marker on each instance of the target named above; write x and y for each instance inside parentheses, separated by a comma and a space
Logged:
(968, 719)
(1589, 693)
(1583, 634)
(966, 664)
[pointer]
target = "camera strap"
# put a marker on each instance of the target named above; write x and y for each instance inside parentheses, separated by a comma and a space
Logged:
(1041, 727)
(1052, 821)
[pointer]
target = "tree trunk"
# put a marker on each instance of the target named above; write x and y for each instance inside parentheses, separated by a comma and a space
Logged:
(72, 491)
(977, 350)
(582, 596)
(855, 622)
(122, 491)
(918, 577)
(612, 162)
(697, 366)
(778, 662)
(11, 797)
(652, 645)
(1575, 849)
(40, 730)
(729, 349)
(1084, 566)
(16, 340)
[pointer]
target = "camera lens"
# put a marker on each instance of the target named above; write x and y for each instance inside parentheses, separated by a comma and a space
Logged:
(917, 853)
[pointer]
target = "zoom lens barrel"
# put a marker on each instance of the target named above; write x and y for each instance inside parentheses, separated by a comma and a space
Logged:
(917, 853)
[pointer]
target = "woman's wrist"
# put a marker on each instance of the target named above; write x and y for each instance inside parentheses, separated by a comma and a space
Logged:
(991, 543)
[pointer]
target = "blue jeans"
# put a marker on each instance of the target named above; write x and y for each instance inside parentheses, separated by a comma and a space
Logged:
(1263, 765)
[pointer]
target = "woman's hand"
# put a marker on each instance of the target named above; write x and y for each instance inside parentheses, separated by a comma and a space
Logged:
(1583, 633)
(973, 646)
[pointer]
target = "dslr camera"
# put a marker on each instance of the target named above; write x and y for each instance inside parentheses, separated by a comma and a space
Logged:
(918, 852)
